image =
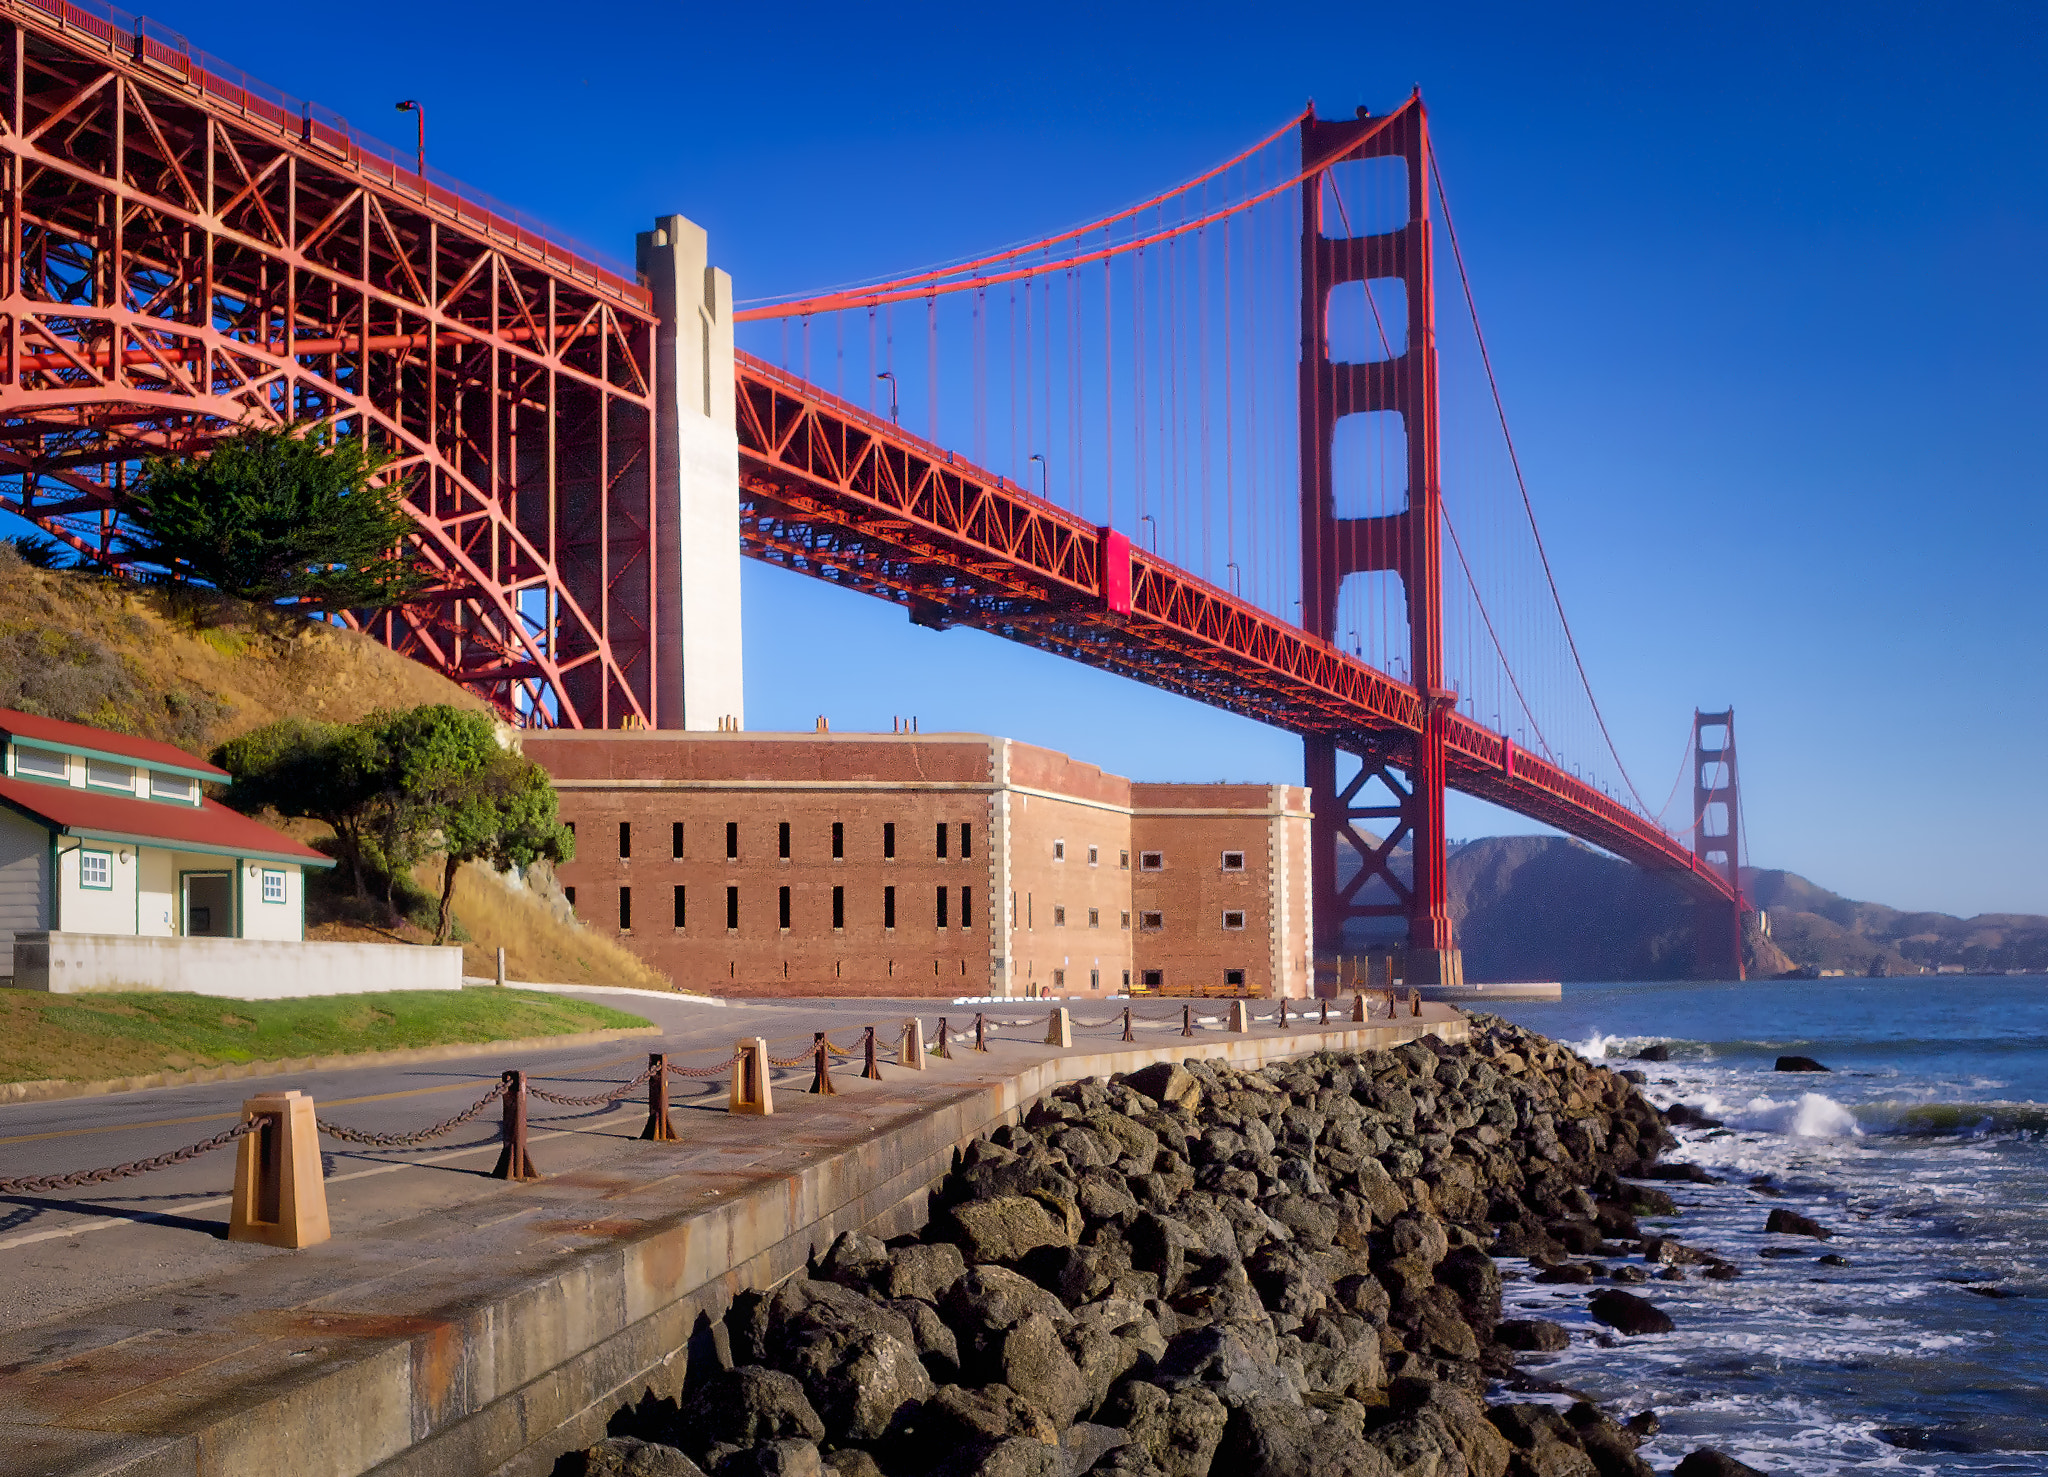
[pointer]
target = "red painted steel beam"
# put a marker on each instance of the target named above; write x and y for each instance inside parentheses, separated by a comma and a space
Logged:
(833, 492)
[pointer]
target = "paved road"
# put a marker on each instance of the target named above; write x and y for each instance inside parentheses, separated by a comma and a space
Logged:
(69, 1250)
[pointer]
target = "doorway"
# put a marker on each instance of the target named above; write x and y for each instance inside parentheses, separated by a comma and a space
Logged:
(208, 904)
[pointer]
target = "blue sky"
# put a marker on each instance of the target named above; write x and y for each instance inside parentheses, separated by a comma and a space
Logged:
(1763, 284)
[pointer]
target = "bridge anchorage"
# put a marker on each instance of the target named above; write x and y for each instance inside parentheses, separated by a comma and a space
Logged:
(1202, 442)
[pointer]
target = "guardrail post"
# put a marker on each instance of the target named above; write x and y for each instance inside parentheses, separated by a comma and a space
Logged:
(659, 1128)
(280, 1198)
(872, 1071)
(1240, 1018)
(514, 1163)
(980, 1032)
(1059, 1027)
(1127, 1025)
(912, 1053)
(822, 1082)
(939, 1046)
(1187, 1020)
(751, 1090)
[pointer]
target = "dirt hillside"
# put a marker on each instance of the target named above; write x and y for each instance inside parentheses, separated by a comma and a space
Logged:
(194, 669)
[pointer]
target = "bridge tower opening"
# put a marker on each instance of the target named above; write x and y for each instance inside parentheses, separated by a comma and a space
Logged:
(1716, 842)
(1358, 873)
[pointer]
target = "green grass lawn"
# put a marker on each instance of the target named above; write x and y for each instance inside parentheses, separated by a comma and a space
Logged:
(127, 1033)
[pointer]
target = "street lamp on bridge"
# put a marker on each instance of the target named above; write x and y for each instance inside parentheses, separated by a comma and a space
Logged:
(1039, 457)
(420, 118)
(890, 376)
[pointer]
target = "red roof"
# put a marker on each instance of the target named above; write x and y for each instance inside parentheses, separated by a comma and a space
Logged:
(84, 736)
(210, 825)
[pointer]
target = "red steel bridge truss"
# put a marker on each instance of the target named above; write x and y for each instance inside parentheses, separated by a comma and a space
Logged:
(188, 251)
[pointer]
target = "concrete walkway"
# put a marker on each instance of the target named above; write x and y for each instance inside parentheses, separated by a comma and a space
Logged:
(455, 1322)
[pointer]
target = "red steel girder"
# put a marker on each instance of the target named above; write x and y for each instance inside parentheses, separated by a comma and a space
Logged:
(836, 493)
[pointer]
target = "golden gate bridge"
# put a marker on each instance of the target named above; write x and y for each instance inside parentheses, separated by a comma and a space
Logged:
(1226, 441)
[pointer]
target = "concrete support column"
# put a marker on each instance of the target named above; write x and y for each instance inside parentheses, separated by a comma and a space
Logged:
(697, 471)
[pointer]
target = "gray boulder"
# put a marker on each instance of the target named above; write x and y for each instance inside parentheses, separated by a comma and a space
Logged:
(1003, 1228)
(746, 1406)
(1273, 1438)
(622, 1456)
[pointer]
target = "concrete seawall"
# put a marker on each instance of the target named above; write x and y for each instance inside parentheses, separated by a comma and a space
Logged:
(495, 1337)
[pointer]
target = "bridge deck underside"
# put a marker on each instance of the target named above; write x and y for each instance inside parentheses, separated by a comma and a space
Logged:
(832, 492)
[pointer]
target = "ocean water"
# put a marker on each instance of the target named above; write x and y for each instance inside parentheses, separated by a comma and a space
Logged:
(1925, 1149)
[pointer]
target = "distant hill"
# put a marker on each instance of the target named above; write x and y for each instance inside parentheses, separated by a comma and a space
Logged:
(194, 669)
(1549, 908)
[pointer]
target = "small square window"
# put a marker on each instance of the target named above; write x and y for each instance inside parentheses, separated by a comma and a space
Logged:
(1094, 856)
(1059, 979)
(1233, 918)
(273, 886)
(1151, 922)
(1233, 861)
(1094, 918)
(1154, 978)
(1127, 920)
(1123, 861)
(1059, 915)
(1233, 979)
(1151, 861)
(96, 870)
(1059, 851)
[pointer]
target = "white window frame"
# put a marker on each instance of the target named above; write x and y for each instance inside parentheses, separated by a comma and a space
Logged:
(1151, 861)
(1059, 915)
(1233, 861)
(1095, 917)
(1151, 921)
(104, 861)
(1094, 856)
(271, 874)
(1059, 850)
(127, 784)
(1238, 914)
(157, 791)
(22, 751)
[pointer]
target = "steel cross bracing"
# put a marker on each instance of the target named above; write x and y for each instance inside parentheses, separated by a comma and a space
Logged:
(184, 254)
(834, 492)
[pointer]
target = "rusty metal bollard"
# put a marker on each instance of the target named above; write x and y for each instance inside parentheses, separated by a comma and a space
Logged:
(279, 1198)
(1326, 1012)
(1187, 1020)
(1392, 1009)
(752, 1091)
(822, 1083)
(1127, 1025)
(659, 1129)
(939, 1047)
(1282, 1022)
(514, 1163)
(872, 1071)
(1415, 1002)
(980, 1032)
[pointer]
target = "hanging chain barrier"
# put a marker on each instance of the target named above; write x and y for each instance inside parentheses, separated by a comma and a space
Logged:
(659, 1068)
(38, 1184)
(425, 1135)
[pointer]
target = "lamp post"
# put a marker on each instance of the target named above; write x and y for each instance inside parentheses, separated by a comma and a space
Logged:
(1148, 518)
(1039, 457)
(890, 376)
(420, 118)
(1234, 573)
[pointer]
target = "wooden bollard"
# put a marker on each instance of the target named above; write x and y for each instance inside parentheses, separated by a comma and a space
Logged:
(1358, 1007)
(1127, 1025)
(1282, 1013)
(939, 1046)
(871, 1070)
(980, 1032)
(659, 1128)
(514, 1163)
(280, 1198)
(1391, 1008)
(1415, 1002)
(752, 1092)
(1240, 1018)
(912, 1054)
(1187, 1020)
(822, 1082)
(1059, 1027)
(1326, 1012)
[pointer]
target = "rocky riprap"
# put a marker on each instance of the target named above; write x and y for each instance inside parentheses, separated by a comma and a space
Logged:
(1194, 1269)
